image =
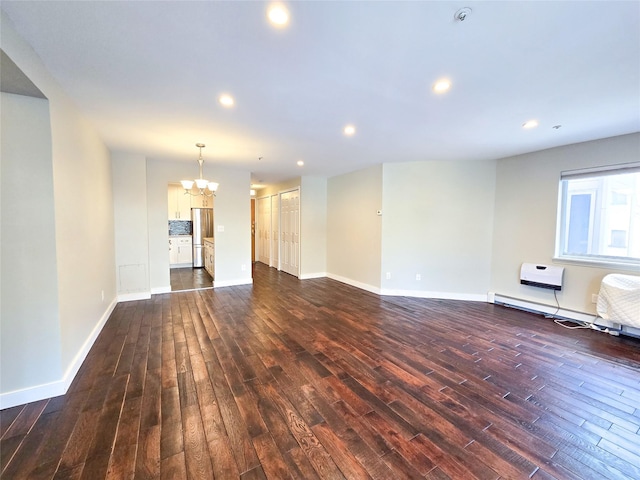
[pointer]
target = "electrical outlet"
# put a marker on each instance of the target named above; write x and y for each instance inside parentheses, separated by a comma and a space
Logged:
(594, 298)
(418, 276)
(243, 268)
(388, 275)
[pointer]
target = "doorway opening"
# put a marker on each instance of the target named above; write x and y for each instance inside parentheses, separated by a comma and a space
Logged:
(278, 231)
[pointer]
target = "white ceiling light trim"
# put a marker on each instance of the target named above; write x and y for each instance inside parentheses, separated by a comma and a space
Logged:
(530, 124)
(226, 100)
(442, 85)
(349, 130)
(278, 15)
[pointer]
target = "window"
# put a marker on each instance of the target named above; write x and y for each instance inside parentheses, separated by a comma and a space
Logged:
(599, 215)
(618, 198)
(618, 239)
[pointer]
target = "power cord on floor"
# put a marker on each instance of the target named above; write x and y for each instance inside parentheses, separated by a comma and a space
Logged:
(561, 322)
(570, 327)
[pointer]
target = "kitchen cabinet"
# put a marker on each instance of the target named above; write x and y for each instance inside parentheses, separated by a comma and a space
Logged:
(209, 256)
(179, 203)
(201, 201)
(180, 251)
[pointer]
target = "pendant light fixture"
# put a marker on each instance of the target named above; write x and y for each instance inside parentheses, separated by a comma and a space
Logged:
(205, 187)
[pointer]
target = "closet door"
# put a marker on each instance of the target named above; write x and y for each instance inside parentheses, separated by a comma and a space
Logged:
(275, 228)
(290, 232)
(263, 234)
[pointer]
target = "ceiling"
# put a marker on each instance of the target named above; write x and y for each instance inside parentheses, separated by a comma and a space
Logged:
(148, 75)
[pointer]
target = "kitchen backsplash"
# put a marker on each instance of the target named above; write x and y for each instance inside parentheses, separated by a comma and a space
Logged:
(179, 227)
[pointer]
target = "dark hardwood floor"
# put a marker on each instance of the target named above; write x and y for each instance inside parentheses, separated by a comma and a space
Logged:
(316, 379)
(189, 279)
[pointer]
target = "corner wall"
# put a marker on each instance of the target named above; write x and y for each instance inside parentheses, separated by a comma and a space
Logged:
(84, 229)
(437, 222)
(30, 348)
(313, 227)
(526, 213)
(354, 230)
(129, 172)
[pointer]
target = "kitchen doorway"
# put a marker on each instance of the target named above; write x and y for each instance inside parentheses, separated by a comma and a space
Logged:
(190, 217)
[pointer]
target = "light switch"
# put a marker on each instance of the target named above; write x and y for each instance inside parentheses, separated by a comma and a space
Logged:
(221, 228)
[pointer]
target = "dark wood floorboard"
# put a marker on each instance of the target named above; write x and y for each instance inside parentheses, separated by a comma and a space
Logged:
(188, 278)
(317, 379)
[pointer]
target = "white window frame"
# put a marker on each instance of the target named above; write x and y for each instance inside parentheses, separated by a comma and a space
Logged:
(564, 205)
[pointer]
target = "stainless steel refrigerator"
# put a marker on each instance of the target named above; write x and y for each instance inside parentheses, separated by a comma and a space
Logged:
(202, 227)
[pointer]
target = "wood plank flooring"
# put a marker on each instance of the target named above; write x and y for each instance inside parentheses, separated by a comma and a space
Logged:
(316, 379)
(189, 279)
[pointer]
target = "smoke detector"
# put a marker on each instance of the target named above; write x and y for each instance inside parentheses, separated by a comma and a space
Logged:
(462, 14)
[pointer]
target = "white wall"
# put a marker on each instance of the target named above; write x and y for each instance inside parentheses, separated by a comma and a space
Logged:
(277, 188)
(313, 227)
(353, 228)
(438, 222)
(84, 231)
(525, 219)
(30, 349)
(232, 210)
(129, 172)
(83, 204)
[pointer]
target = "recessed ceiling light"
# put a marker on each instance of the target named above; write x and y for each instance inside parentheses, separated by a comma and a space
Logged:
(441, 86)
(226, 100)
(349, 130)
(530, 124)
(300, 163)
(278, 15)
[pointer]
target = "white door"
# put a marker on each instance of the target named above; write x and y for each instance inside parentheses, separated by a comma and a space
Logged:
(263, 231)
(290, 231)
(275, 228)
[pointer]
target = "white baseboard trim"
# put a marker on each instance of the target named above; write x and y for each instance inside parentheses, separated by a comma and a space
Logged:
(546, 309)
(88, 343)
(308, 276)
(159, 290)
(128, 297)
(354, 283)
(467, 297)
(59, 387)
(232, 283)
(32, 394)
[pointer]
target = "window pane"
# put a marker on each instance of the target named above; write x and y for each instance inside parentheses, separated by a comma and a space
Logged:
(600, 216)
(579, 224)
(618, 238)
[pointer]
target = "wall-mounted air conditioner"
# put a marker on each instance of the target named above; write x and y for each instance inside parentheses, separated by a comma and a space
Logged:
(543, 276)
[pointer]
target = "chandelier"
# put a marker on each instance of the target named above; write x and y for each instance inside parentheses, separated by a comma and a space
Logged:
(205, 187)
